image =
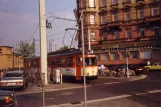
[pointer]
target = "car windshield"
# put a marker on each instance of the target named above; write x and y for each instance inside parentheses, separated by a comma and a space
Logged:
(8, 75)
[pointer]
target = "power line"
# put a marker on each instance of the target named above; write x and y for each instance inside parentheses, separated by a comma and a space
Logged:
(56, 33)
(34, 32)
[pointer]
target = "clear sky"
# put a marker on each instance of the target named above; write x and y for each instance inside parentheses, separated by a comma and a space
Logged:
(19, 19)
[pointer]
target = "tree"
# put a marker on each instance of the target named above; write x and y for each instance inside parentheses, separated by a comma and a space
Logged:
(25, 49)
(63, 48)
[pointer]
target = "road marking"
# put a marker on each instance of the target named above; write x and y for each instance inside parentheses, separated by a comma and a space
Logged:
(111, 83)
(66, 93)
(154, 91)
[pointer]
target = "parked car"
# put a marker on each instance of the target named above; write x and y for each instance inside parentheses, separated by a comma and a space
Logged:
(155, 66)
(14, 79)
(7, 99)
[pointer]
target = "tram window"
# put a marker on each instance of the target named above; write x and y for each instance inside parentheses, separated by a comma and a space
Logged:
(52, 63)
(90, 61)
(57, 62)
(78, 61)
(69, 62)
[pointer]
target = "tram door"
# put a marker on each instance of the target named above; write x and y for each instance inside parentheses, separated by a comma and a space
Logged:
(78, 69)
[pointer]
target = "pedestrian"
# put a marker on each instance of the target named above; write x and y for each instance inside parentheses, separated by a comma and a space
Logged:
(102, 68)
(148, 63)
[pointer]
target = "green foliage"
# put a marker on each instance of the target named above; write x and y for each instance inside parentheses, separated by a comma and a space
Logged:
(63, 48)
(25, 49)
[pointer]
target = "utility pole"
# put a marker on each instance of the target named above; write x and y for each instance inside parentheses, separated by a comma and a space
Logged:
(127, 62)
(43, 47)
(55, 47)
(89, 40)
(33, 46)
(51, 47)
(84, 73)
(13, 60)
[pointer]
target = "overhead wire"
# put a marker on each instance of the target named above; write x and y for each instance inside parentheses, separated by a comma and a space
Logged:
(72, 39)
(56, 33)
(34, 32)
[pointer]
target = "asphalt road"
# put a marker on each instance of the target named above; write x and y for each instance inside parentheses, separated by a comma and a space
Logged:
(145, 93)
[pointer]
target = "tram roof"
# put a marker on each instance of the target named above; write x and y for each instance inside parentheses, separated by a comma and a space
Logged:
(65, 52)
(62, 52)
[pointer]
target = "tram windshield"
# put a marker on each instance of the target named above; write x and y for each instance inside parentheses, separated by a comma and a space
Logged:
(90, 61)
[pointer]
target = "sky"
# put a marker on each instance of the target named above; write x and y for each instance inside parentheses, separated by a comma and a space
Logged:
(19, 19)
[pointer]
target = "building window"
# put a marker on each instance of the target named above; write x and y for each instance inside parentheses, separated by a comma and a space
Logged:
(104, 35)
(123, 55)
(83, 3)
(104, 56)
(114, 56)
(142, 32)
(115, 17)
(127, 1)
(154, 11)
(91, 3)
(0, 51)
(86, 35)
(127, 16)
(134, 55)
(128, 33)
(92, 19)
(93, 36)
(84, 20)
(98, 57)
(103, 3)
(116, 35)
(141, 14)
(156, 30)
(145, 54)
(156, 54)
(114, 2)
(103, 19)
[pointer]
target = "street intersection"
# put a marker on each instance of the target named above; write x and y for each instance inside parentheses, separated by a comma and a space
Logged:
(139, 91)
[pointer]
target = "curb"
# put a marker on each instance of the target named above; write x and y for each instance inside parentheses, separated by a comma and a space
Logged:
(141, 78)
(132, 78)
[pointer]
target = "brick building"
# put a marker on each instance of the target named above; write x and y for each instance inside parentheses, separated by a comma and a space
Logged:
(114, 29)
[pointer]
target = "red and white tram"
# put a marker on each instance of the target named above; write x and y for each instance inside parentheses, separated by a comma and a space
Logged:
(69, 62)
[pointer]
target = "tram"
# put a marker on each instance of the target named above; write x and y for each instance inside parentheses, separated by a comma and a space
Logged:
(69, 62)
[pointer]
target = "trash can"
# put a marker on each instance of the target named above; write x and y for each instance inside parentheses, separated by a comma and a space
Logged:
(56, 76)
